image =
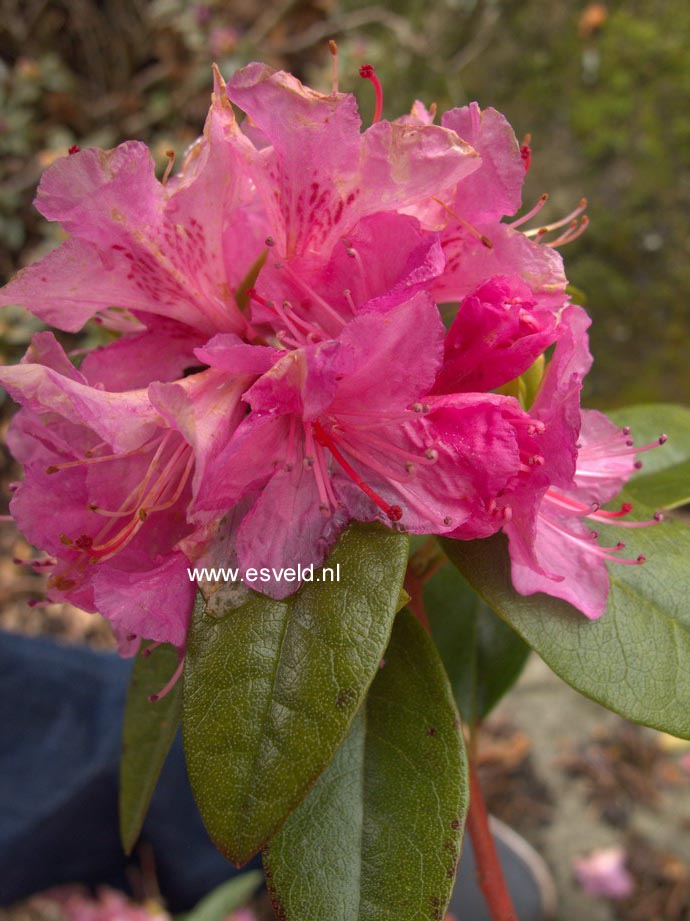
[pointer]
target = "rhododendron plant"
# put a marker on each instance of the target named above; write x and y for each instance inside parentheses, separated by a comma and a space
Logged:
(328, 338)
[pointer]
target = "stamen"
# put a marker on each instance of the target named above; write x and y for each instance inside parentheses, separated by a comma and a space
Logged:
(170, 685)
(532, 213)
(430, 455)
(54, 468)
(367, 73)
(317, 467)
(572, 233)
(473, 230)
(547, 228)
(526, 151)
(353, 253)
(606, 553)
(333, 48)
(149, 649)
(394, 512)
(347, 294)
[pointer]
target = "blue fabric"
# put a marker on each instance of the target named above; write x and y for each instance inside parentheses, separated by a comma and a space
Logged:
(60, 723)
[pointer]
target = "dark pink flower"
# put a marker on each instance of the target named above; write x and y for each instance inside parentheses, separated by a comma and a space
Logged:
(344, 429)
(498, 333)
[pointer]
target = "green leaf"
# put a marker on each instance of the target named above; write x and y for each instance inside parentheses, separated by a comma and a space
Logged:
(664, 481)
(227, 897)
(635, 660)
(272, 687)
(148, 732)
(379, 835)
(482, 655)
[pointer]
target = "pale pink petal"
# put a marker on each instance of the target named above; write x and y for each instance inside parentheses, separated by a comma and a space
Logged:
(384, 260)
(314, 153)
(557, 403)
(469, 263)
(495, 189)
(246, 464)
(124, 420)
(398, 354)
(567, 552)
(320, 176)
(206, 409)
(154, 603)
(164, 352)
(229, 353)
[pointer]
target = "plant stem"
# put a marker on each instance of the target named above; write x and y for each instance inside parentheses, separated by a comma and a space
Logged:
(489, 872)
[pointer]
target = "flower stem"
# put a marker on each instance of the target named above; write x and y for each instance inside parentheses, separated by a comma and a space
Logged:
(489, 872)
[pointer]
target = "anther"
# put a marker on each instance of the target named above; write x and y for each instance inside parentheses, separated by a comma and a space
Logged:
(74, 149)
(431, 454)
(269, 241)
(448, 520)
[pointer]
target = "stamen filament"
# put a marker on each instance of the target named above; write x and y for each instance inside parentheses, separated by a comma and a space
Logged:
(170, 685)
(473, 230)
(542, 200)
(547, 228)
(394, 512)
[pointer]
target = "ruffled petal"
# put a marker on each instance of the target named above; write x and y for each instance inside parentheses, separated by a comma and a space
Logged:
(155, 603)
(495, 189)
(320, 176)
(469, 263)
(123, 420)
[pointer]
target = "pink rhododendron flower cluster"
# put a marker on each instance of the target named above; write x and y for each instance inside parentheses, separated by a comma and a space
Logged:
(282, 367)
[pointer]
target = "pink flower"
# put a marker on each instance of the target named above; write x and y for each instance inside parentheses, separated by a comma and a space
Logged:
(153, 251)
(586, 460)
(105, 493)
(318, 174)
(343, 429)
(604, 873)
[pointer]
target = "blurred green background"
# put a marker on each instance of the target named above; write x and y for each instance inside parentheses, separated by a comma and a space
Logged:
(604, 90)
